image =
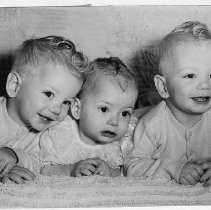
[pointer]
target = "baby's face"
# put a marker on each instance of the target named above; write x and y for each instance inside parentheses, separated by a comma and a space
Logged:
(44, 99)
(189, 81)
(105, 113)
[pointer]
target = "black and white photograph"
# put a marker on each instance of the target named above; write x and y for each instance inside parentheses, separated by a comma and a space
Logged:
(105, 105)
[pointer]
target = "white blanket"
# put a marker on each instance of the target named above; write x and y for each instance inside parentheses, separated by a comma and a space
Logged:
(99, 191)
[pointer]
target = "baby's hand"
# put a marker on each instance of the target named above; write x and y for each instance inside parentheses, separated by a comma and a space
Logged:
(8, 160)
(206, 177)
(85, 167)
(103, 169)
(18, 175)
(190, 173)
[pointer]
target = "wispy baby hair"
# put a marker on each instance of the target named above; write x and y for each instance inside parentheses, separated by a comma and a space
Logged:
(188, 32)
(107, 67)
(50, 49)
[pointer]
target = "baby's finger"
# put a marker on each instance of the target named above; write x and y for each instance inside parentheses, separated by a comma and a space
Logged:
(90, 167)
(92, 161)
(6, 169)
(207, 183)
(15, 178)
(78, 174)
(195, 174)
(206, 176)
(101, 172)
(195, 177)
(25, 175)
(2, 166)
(206, 165)
(87, 166)
(86, 172)
(23, 172)
(6, 179)
(98, 170)
(184, 181)
(190, 179)
(199, 169)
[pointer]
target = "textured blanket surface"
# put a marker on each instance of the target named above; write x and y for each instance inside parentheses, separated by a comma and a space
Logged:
(99, 191)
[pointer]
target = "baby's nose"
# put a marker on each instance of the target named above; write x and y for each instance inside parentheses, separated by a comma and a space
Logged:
(114, 120)
(56, 108)
(205, 82)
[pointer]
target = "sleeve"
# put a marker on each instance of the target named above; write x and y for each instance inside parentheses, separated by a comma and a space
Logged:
(28, 156)
(48, 153)
(28, 160)
(146, 159)
(126, 143)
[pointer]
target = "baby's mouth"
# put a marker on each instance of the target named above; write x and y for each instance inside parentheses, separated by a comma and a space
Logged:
(108, 134)
(44, 118)
(202, 100)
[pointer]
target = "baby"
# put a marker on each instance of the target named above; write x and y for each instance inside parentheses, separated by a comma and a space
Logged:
(46, 76)
(91, 140)
(173, 140)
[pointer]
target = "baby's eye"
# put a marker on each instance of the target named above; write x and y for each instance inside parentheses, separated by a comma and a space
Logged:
(67, 103)
(49, 94)
(190, 76)
(103, 109)
(126, 114)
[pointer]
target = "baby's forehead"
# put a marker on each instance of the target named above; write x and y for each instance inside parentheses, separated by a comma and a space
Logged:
(197, 47)
(116, 82)
(184, 53)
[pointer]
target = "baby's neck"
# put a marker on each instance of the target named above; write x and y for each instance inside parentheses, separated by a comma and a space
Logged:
(87, 140)
(12, 112)
(188, 120)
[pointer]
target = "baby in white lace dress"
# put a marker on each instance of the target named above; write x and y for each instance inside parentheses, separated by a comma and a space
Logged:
(96, 138)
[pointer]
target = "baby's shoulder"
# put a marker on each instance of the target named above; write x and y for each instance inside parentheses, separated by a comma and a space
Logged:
(66, 123)
(65, 127)
(155, 114)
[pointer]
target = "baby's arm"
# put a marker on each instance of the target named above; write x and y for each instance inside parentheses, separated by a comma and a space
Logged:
(26, 150)
(29, 156)
(64, 170)
(146, 158)
(140, 162)
(81, 168)
(8, 160)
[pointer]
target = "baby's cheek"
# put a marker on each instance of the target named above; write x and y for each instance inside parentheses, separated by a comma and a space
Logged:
(63, 115)
(124, 129)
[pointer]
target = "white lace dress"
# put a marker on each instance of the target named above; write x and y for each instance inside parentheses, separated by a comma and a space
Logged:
(62, 145)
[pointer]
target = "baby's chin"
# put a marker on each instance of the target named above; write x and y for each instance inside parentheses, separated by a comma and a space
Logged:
(107, 140)
(40, 127)
(197, 113)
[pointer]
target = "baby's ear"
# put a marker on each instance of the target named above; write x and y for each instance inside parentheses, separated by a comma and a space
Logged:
(76, 108)
(13, 84)
(160, 84)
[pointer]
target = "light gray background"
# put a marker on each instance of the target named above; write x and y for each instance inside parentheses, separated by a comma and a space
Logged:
(97, 31)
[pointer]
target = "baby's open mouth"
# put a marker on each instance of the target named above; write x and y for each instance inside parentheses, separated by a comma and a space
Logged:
(108, 134)
(201, 99)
